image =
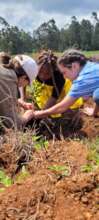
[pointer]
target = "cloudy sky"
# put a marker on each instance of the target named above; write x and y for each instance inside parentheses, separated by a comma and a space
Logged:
(29, 14)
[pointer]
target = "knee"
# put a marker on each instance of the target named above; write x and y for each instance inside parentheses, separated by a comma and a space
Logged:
(96, 96)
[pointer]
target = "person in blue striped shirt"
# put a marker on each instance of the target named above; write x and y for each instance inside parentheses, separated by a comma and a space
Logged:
(85, 77)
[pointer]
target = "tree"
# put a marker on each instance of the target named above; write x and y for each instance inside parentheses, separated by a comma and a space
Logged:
(3, 22)
(86, 34)
(64, 39)
(15, 41)
(96, 37)
(47, 36)
(95, 16)
(74, 33)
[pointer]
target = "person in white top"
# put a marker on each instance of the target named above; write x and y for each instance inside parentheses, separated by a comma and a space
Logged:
(31, 68)
(15, 72)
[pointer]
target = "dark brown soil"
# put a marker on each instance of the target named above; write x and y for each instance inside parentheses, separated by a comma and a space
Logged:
(46, 194)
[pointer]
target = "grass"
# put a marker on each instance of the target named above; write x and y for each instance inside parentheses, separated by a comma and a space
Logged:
(92, 157)
(23, 175)
(40, 143)
(60, 170)
(91, 53)
(5, 181)
(87, 53)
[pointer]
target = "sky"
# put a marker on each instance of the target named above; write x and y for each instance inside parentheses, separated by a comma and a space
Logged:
(29, 14)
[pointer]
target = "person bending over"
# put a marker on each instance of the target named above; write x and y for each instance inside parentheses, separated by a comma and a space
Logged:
(85, 77)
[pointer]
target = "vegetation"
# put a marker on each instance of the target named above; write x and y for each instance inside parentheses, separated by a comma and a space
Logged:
(92, 157)
(83, 35)
(60, 170)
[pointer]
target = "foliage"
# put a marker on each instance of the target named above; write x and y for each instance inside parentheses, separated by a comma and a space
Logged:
(92, 157)
(83, 35)
(33, 92)
(4, 179)
(87, 168)
(23, 175)
(60, 170)
(13, 40)
(40, 143)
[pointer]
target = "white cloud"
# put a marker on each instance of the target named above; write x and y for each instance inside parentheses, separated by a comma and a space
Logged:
(31, 13)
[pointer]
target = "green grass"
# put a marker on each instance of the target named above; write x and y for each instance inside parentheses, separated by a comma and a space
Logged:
(60, 170)
(5, 181)
(87, 53)
(92, 157)
(91, 53)
(40, 143)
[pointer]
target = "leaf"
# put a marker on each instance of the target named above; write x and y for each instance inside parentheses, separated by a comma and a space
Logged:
(63, 170)
(87, 168)
(23, 175)
(4, 179)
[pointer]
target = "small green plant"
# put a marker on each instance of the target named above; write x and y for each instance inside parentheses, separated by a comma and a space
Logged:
(92, 157)
(23, 175)
(40, 143)
(60, 170)
(34, 91)
(4, 179)
(87, 168)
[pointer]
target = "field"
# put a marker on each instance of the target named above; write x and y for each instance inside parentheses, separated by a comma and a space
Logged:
(54, 178)
(87, 53)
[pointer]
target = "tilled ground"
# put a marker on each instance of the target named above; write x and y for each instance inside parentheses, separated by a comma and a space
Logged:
(46, 194)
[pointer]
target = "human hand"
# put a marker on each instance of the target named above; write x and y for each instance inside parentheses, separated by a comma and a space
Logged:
(27, 116)
(25, 105)
(28, 106)
(88, 111)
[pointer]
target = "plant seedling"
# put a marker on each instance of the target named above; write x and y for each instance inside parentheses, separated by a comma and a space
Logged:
(4, 179)
(40, 143)
(60, 170)
(23, 175)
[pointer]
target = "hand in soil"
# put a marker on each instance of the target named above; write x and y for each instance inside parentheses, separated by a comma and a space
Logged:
(28, 106)
(88, 111)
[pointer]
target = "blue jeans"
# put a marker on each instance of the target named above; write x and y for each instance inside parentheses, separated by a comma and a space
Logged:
(96, 96)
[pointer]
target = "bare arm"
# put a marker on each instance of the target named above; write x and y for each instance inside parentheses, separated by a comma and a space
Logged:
(58, 108)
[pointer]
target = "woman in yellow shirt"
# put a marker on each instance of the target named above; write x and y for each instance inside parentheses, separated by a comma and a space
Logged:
(50, 87)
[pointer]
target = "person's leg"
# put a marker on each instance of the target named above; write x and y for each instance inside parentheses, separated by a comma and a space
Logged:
(96, 100)
(93, 111)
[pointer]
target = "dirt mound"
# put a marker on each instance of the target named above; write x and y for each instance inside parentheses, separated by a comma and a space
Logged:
(40, 197)
(49, 194)
(55, 187)
(90, 126)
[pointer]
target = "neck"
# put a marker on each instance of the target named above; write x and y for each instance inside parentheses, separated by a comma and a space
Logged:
(77, 73)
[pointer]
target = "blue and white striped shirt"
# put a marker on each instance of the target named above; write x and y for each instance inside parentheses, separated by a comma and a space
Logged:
(87, 81)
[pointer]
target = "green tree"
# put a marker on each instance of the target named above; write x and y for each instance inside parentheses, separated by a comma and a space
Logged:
(96, 37)
(47, 36)
(86, 34)
(74, 33)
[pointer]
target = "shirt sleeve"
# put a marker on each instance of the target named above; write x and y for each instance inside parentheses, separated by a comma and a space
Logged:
(79, 89)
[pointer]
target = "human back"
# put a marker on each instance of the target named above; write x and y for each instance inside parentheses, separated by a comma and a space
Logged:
(8, 95)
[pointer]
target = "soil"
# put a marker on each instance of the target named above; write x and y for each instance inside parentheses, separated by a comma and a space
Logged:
(47, 194)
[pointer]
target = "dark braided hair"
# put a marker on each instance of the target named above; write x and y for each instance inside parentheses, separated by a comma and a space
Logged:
(47, 59)
(71, 56)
